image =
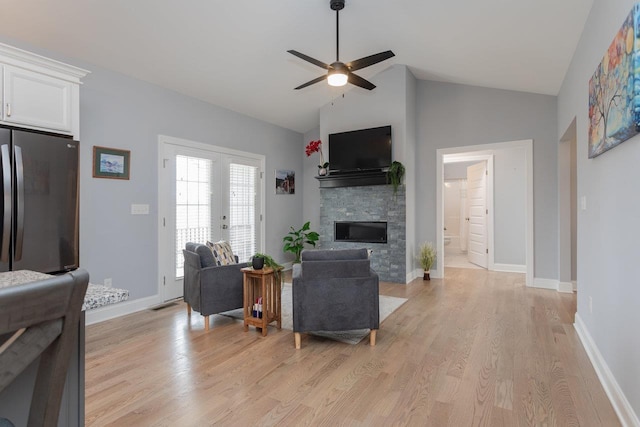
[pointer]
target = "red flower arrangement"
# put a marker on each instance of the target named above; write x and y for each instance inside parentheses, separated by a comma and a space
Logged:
(316, 147)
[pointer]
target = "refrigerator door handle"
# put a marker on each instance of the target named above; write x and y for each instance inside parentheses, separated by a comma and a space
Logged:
(19, 203)
(6, 196)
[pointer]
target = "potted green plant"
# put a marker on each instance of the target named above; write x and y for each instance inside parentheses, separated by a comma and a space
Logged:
(260, 260)
(426, 257)
(295, 240)
(394, 175)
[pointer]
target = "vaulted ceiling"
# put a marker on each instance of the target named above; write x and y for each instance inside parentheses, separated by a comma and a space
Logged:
(234, 53)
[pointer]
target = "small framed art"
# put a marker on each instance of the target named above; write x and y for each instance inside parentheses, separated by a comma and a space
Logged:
(111, 163)
(285, 182)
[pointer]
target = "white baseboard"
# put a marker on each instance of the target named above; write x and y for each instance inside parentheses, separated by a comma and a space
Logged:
(574, 283)
(556, 285)
(510, 268)
(412, 275)
(628, 418)
(121, 309)
(539, 282)
(565, 287)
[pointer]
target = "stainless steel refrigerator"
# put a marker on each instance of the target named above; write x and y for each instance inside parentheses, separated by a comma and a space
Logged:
(39, 203)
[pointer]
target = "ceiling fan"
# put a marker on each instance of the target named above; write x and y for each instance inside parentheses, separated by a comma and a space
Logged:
(339, 73)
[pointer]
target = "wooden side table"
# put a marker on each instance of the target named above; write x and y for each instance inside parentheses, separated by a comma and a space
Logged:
(262, 283)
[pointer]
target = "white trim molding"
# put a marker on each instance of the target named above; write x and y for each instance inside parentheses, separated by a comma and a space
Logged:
(565, 287)
(553, 284)
(621, 405)
(121, 309)
(510, 268)
(541, 283)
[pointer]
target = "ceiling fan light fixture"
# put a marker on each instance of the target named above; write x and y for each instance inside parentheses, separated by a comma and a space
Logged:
(337, 78)
(339, 73)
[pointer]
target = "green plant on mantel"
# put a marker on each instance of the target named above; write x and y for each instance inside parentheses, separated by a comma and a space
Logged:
(395, 175)
(295, 240)
(269, 262)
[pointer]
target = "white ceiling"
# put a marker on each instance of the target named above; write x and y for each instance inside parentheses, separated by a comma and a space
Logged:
(233, 53)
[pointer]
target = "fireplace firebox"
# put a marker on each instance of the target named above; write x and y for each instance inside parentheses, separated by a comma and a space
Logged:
(360, 231)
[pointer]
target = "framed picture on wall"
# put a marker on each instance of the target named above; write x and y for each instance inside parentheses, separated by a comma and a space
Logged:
(285, 181)
(111, 163)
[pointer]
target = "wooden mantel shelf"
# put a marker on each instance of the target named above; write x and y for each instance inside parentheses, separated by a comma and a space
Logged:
(353, 179)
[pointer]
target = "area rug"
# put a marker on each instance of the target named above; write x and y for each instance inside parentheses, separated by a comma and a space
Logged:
(387, 306)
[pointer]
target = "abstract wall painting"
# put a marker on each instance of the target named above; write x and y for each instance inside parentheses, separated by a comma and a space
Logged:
(614, 90)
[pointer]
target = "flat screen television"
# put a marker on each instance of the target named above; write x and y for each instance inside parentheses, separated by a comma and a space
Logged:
(360, 150)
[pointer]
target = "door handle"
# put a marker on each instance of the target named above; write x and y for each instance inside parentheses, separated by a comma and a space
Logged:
(6, 193)
(19, 203)
(224, 226)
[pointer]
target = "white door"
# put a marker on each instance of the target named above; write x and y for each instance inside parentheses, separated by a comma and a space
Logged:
(477, 214)
(212, 196)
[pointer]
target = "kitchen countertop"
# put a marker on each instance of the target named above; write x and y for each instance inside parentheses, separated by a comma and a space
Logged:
(96, 296)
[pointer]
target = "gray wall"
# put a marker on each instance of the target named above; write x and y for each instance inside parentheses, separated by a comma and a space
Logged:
(452, 115)
(411, 166)
(608, 230)
(509, 201)
(310, 192)
(457, 170)
(122, 112)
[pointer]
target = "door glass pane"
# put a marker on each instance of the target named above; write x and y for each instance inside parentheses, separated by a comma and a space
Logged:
(242, 210)
(193, 204)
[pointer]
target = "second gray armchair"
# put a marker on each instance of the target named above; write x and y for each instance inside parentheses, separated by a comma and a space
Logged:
(335, 290)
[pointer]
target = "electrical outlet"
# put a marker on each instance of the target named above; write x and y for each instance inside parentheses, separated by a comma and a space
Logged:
(590, 305)
(108, 283)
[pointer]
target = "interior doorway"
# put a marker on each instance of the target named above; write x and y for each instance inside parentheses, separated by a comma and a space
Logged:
(465, 214)
(512, 241)
(568, 208)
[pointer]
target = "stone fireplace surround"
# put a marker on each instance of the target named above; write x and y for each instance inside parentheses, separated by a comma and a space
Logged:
(368, 203)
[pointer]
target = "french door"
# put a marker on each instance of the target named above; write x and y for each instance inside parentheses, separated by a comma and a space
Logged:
(206, 194)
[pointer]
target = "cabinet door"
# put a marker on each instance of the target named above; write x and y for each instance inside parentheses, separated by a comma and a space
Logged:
(34, 99)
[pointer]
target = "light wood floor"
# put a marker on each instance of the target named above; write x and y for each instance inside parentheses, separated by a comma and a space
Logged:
(475, 349)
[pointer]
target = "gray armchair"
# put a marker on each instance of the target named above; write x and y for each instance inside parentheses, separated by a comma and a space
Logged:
(208, 287)
(335, 290)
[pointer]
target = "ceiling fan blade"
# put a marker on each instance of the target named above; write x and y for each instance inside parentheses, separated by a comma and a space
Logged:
(314, 81)
(361, 63)
(359, 81)
(309, 59)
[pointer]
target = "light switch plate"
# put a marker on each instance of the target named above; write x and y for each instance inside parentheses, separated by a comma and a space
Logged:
(583, 203)
(139, 209)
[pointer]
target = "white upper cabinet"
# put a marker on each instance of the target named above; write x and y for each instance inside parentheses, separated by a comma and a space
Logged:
(37, 100)
(39, 93)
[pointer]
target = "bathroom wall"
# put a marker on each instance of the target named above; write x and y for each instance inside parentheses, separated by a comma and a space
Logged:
(452, 199)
